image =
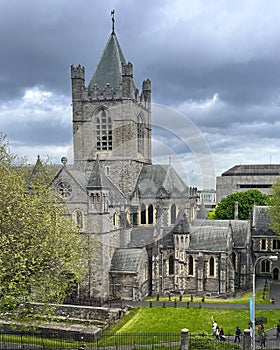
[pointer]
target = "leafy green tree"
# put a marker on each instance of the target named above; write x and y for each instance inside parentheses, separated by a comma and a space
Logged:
(225, 209)
(40, 250)
(274, 207)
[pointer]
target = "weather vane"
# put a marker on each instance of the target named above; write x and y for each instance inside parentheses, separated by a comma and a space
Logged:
(113, 21)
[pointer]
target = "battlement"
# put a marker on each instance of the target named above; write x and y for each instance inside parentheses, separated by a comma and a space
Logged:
(77, 72)
(146, 86)
(127, 69)
(108, 93)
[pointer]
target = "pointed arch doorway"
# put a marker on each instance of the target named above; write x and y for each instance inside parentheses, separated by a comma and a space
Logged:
(275, 274)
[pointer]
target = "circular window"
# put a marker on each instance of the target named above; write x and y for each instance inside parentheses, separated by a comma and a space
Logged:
(64, 189)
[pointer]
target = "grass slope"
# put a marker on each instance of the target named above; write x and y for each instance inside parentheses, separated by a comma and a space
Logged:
(172, 320)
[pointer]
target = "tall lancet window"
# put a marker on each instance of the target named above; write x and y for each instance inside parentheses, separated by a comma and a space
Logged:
(103, 132)
(140, 134)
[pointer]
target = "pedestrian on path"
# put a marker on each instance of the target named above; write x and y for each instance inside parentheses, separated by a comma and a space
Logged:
(262, 341)
(237, 335)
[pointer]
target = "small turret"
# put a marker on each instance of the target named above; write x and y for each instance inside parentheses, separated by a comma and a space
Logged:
(78, 81)
(146, 94)
(127, 81)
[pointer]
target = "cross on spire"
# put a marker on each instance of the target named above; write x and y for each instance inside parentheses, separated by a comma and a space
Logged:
(113, 21)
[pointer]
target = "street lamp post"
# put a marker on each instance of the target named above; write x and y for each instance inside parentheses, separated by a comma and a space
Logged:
(270, 257)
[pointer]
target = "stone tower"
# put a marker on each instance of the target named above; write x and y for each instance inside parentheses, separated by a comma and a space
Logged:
(111, 118)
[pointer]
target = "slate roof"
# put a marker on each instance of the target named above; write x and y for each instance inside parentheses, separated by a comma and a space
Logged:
(183, 226)
(261, 222)
(154, 177)
(209, 238)
(109, 68)
(240, 230)
(253, 170)
(141, 236)
(97, 179)
(127, 260)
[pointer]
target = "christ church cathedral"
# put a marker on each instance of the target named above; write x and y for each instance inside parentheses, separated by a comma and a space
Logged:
(144, 233)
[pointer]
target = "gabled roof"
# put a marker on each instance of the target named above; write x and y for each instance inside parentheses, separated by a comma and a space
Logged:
(127, 260)
(109, 68)
(155, 177)
(240, 230)
(209, 238)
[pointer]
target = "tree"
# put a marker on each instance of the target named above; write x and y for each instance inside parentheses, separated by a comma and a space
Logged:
(225, 209)
(274, 207)
(40, 250)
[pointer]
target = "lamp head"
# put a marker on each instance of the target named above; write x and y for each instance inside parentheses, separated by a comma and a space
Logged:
(273, 257)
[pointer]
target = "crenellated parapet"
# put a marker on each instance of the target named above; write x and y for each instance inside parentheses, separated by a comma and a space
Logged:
(127, 70)
(77, 72)
(125, 90)
(78, 81)
(106, 94)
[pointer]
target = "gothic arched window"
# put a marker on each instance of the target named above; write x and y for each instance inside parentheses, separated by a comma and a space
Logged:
(211, 266)
(190, 265)
(173, 213)
(234, 260)
(143, 214)
(140, 134)
(265, 266)
(171, 265)
(103, 132)
(115, 219)
(150, 214)
(78, 219)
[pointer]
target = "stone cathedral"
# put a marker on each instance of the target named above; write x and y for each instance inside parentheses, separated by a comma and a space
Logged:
(140, 220)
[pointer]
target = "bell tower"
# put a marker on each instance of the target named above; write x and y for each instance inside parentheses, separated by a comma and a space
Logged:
(111, 118)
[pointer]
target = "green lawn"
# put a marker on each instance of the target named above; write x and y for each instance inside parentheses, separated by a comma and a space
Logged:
(172, 320)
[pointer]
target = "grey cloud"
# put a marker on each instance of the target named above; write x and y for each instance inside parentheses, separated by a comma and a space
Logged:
(190, 51)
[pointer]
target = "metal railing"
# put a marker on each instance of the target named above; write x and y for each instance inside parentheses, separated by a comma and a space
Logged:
(35, 340)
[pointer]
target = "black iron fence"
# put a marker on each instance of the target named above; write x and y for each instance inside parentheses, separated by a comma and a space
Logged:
(34, 340)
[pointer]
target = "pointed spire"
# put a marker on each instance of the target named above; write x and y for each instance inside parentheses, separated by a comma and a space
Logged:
(183, 226)
(37, 166)
(109, 68)
(95, 179)
(202, 213)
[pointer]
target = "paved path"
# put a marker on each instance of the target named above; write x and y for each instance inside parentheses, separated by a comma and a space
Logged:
(274, 292)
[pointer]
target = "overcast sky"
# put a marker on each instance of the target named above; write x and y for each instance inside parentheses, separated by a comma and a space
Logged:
(215, 65)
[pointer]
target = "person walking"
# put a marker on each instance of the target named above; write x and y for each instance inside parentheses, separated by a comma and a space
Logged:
(237, 335)
(262, 341)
